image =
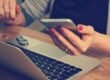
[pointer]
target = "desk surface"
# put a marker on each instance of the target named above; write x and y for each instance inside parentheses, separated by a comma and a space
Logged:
(102, 72)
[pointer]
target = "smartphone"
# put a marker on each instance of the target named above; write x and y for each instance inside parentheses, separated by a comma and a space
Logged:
(56, 23)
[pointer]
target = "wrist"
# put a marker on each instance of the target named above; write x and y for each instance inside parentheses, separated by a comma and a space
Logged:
(99, 40)
(96, 40)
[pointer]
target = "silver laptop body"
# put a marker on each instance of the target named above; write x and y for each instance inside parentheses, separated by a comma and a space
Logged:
(14, 58)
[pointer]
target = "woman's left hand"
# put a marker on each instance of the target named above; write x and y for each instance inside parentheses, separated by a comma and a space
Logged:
(72, 43)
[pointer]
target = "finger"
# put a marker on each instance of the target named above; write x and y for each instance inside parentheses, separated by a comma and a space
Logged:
(89, 30)
(64, 42)
(1, 3)
(87, 38)
(1, 13)
(87, 41)
(6, 8)
(12, 9)
(73, 38)
(1, 9)
(18, 10)
(57, 42)
(9, 22)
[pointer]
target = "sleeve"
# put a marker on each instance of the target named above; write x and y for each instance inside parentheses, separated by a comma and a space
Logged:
(34, 9)
(28, 18)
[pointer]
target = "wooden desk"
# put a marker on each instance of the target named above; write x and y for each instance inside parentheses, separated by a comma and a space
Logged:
(102, 72)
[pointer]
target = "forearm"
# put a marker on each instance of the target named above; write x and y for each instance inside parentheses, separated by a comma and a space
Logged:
(101, 42)
(9, 32)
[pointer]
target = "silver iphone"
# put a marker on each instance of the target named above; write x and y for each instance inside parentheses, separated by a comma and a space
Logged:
(50, 23)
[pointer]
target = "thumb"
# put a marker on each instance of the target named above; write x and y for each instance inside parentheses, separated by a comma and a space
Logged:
(83, 29)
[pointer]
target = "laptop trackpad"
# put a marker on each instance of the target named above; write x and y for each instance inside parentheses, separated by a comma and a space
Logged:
(49, 50)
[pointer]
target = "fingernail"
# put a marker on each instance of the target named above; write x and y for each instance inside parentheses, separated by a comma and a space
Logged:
(12, 19)
(52, 30)
(62, 29)
(17, 9)
(80, 27)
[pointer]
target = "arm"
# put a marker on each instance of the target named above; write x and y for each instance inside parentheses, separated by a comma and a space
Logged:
(101, 42)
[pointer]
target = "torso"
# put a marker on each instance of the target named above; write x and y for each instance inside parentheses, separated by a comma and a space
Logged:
(88, 12)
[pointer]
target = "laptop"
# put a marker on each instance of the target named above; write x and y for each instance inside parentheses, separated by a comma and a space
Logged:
(43, 61)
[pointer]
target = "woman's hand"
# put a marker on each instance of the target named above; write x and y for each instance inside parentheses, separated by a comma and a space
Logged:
(10, 13)
(19, 20)
(72, 43)
(8, 9)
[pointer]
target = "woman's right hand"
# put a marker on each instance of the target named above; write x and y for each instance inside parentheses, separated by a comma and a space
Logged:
(8, 9)
(10, 13)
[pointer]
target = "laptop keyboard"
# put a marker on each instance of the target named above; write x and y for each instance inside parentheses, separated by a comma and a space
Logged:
(53, 69)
